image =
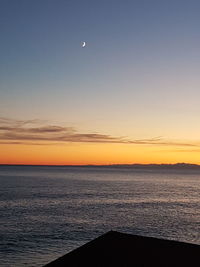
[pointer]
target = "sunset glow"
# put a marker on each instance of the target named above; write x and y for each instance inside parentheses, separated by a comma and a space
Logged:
(130, 96)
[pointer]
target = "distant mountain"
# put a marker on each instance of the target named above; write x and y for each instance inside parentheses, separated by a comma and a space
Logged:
(177, 166)
(158, 166)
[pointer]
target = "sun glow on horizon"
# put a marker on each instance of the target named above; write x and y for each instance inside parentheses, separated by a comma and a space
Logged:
(93, 154)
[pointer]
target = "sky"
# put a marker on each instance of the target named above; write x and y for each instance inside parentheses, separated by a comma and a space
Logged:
(131, 95)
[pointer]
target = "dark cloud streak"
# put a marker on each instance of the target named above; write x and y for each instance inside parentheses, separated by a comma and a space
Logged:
(37, 132)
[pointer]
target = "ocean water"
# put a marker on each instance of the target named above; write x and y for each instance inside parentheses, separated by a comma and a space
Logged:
(46, 212)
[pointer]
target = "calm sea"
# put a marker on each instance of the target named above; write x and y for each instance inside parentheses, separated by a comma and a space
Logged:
(47, 211)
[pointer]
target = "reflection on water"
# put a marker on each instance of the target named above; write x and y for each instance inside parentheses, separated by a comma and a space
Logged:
(48, 211)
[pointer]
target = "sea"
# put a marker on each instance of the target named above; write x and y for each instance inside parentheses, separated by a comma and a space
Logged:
(47, 211)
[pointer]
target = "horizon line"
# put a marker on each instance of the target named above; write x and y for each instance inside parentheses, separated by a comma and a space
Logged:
(180, 164)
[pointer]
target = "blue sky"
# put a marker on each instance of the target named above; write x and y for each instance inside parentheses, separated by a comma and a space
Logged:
(138, 71)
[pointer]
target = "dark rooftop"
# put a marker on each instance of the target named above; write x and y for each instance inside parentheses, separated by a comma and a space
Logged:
(124, 250)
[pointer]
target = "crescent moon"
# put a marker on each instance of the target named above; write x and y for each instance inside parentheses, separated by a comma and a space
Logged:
(83, 44)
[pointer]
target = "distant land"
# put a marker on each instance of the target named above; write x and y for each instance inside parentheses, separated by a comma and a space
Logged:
(134, 166)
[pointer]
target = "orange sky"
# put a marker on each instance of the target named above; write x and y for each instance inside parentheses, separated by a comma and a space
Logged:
(43, 142)
(80, 154)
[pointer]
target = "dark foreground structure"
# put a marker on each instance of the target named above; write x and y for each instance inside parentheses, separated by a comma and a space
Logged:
(124, 250)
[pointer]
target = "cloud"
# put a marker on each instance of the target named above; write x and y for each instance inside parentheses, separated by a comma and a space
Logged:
(187, 150)
(21, 131)
(162, 142)
(37, 132)
(8, 121)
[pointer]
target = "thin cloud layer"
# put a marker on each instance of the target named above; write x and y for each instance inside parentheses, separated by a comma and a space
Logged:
(21, 131)
(37, 132)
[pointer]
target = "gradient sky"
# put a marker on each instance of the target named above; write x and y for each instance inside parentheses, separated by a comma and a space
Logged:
(132, 95)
